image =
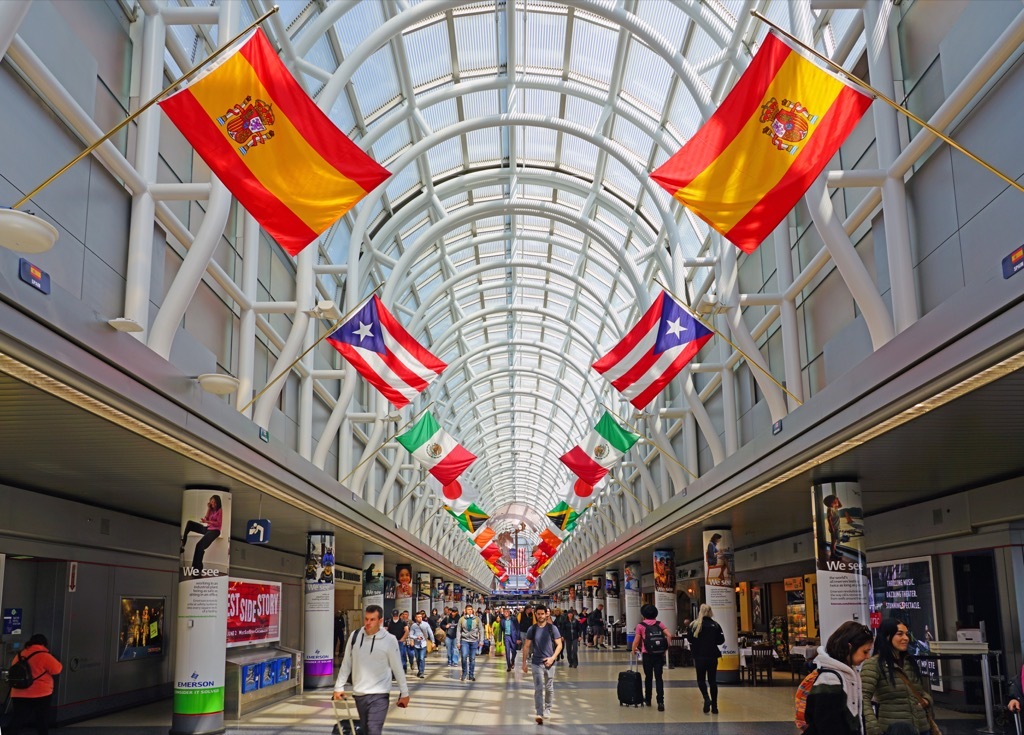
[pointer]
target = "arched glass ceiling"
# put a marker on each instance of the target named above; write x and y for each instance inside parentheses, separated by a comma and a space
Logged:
(520, 235)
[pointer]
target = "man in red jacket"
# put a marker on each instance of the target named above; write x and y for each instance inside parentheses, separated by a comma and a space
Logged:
(31, 706)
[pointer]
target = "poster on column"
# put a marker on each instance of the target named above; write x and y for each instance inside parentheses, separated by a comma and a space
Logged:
(720, 593)
(423, 591)
(631, 591)
(843, 584)
(611, 596)
(664, 579)
(202, 610)
(456, 593)
(403, 588)
(903, 590)
(318, 636)
(437, 594)
(373, 580)
(390, 595)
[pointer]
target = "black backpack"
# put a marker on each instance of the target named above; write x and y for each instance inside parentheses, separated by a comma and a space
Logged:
(19, 676)
(654, 639)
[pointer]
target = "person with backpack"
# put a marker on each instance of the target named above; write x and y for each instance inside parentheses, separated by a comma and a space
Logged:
(705, 636)
(651, 640)
(572, 634)
(450, 624)
(31, 680)
(892, 680)
(828, 700)
(541, 646)
(372, 658)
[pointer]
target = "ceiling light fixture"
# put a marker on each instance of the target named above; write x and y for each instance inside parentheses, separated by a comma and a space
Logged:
(25, 233)
(218, 384)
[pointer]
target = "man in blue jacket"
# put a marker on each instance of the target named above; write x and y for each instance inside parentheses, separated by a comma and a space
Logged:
(510, 631)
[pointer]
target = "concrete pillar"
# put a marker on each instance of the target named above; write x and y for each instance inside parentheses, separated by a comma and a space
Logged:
(318, 632)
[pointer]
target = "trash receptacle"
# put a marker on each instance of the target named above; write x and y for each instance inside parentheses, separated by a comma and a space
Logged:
(629, 638)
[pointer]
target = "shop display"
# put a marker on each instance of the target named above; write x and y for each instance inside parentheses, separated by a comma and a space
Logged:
(252, 676)
(796, 610)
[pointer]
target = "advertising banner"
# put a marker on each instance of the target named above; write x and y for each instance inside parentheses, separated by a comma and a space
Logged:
(843, 585)
(141, 628)
(632, 594)
(254, 612)
(373, 581)
(611, 596)
(903, 590)
(665, 586)
(423, 591)
(720, 593)
(202, 612)
(403, 588)
(318, 638)
(437, 593)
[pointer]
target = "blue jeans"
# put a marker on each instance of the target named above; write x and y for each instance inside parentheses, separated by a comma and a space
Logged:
(420, 654)
(453, 651)
(409, 655)
(469, 657)
(543, 687)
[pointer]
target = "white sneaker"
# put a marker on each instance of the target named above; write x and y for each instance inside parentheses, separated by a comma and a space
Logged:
(547, 712)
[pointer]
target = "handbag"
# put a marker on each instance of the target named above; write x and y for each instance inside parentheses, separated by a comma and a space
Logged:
(922, 702)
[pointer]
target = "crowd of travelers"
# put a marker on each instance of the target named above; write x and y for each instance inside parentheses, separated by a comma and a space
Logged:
(863, 681)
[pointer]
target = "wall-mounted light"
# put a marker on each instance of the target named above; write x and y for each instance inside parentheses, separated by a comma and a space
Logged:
(324, 309)
(25, 232)
(218, 384)
(124, 324)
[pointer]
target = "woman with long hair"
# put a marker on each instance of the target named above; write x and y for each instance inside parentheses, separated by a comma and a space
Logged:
(705, 636)
(893, 681)
(834, 702)
(208, 527)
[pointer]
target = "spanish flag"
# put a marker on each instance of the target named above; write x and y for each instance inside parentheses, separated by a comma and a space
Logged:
(764, 146)
(273, 148)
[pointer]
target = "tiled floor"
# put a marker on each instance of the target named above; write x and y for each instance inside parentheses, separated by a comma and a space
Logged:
(501, 703)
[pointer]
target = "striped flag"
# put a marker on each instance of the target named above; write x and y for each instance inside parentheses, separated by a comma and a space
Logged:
(518, 561)
(385, 354)
(601, 451)
(274, 149)
(653, 352)
(431, 445)
(747, 167)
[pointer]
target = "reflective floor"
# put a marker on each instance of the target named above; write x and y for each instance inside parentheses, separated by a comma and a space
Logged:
(501, 703)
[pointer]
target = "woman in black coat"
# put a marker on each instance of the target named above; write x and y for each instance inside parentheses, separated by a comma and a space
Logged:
(705, 636)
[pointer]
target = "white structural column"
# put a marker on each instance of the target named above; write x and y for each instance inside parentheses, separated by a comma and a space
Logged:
(787, 313)
(887, 140)
(247, 320)
(12, 13)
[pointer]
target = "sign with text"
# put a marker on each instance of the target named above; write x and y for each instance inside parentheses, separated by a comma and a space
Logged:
(843, 587)
(903, 590)
(254, 612)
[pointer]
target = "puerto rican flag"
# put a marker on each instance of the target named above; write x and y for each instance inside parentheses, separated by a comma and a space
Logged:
(385, 354)
(653, 352)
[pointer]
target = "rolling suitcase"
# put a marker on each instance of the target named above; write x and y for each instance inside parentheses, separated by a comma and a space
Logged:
(631, 686)
(348, 726)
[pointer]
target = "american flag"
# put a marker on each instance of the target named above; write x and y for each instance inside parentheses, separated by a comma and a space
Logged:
(518, 563)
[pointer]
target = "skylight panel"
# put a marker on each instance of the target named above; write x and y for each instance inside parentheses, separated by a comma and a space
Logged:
(392, 142)
(583, 112)
(647, 77)
(484, 146)
(442, 115)
(685, 116)
(321, 55)
(538, 144)
(621, 179)
(593, 51)
(353, 27)
(579, 155)
(476, 42)
(376, 81)
(632, 138)
(541, 39)
(342, 116)
(444, 157)
(428, 53)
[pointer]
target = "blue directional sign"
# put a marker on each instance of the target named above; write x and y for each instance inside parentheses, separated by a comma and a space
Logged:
(257, 531)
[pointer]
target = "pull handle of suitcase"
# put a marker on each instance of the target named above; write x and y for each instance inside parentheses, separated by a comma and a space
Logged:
(341, 728)
(1016, 722)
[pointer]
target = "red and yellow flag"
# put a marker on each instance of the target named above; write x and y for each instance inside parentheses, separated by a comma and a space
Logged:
(274, 149)
(764, 146)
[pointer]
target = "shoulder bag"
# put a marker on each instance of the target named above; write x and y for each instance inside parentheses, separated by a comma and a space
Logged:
(922, 702)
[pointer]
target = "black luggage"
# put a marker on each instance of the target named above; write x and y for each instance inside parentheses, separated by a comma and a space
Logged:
(485, 649)
(631, 686)
(348, 726)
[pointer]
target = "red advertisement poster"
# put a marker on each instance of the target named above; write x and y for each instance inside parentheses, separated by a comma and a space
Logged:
(254, 612)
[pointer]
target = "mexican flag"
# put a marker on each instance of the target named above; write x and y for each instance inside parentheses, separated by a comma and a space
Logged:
(602, 450)
(442, 456)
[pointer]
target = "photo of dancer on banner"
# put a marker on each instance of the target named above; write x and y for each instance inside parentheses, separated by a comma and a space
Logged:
(205, 531)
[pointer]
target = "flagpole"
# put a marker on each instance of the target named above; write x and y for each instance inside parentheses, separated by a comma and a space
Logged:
(436, 511)
(892, 103)
(406, 496)
(384, 444)
(729, 342)
(142, 109)
(650, 441)
(295, 362)
(623, 486)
